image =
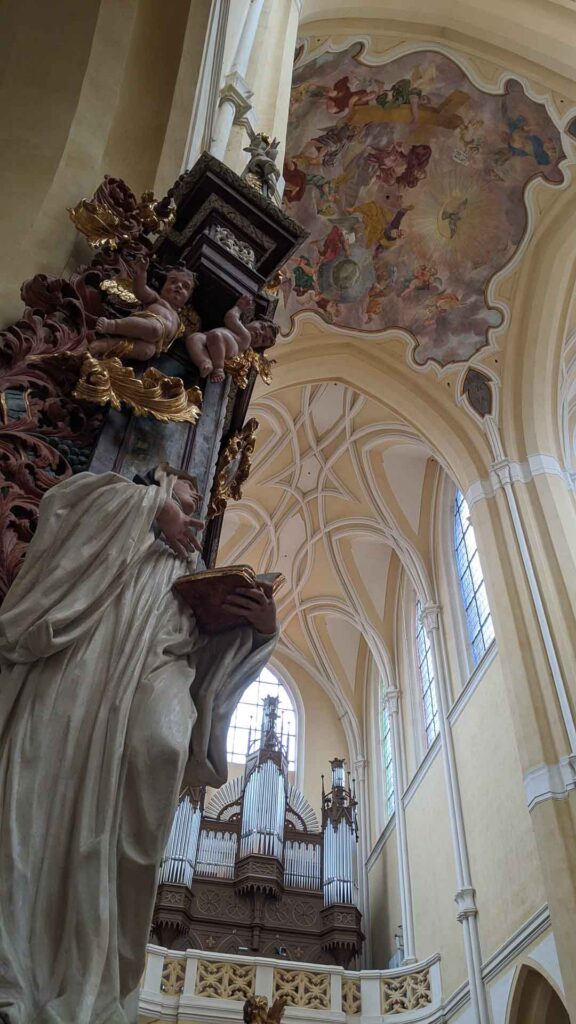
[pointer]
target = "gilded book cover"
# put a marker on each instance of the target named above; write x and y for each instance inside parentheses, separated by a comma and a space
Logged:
(206, 592)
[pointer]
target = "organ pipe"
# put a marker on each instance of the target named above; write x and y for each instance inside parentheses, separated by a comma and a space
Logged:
(340, 835)
(312, 862)
(177, 865)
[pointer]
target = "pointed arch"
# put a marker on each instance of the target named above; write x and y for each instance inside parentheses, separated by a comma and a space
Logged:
(534, 1000)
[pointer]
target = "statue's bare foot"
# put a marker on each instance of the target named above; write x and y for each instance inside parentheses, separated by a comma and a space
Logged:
(205, 368)
(217, 377)
(101, 345)
(104, 325)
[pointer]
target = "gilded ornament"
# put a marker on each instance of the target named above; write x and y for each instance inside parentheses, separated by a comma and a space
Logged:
(233, 468)
(272, 286)
(119, 288)
(99, 225)
(240, 366)
(165, 398)
(147, 212)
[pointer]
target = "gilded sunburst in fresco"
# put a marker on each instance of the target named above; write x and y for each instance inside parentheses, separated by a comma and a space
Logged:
(411, 183)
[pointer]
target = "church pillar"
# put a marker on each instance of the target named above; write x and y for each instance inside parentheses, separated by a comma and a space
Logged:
(524, 519)
(268, 79)
(360, 765)
(392, 701)
(465, 895)
(235, 94)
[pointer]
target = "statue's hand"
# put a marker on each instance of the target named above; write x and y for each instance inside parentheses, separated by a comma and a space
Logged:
(254, 605)
(139, 266)
(179, 529)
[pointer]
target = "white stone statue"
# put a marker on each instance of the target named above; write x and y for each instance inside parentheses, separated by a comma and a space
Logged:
(110, 701)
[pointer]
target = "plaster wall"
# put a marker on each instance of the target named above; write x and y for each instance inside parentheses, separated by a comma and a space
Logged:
(433, 878)
(503, 856)
(385, 909)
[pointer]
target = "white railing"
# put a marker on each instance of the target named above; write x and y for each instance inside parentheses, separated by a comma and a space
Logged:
(206, 987)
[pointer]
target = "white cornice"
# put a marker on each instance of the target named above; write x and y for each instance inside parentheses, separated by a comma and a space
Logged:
(470, 687)
(517, 472)
(421, 772)
(550, 781)
(381, 842)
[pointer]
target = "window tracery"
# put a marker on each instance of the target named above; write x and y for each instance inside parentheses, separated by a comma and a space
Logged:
(389, 796)
(427, 680)
(247, 718)
(471, 579)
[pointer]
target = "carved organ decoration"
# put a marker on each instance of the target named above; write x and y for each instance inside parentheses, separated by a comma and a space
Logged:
(253, 871)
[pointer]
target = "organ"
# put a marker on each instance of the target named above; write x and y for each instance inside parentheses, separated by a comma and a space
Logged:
(252, 869)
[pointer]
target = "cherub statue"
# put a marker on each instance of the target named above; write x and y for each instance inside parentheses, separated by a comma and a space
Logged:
(153, 329)
(209, 350)
(256, 1011)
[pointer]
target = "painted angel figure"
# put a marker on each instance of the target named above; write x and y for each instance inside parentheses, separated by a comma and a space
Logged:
(153, 329)
(111, 701)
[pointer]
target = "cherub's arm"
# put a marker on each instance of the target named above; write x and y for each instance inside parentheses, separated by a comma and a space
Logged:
(141, 289)
(234, 324)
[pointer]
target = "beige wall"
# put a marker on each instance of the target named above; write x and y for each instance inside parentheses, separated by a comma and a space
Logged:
(385, 910)
(503, 855)
(86, 89)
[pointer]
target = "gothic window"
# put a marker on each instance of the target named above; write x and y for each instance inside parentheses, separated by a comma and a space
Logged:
(387, 764)
(247, 718)
(478, 618)
(427, 680)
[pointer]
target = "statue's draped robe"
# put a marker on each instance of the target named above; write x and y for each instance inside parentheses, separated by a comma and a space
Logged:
(110, 700)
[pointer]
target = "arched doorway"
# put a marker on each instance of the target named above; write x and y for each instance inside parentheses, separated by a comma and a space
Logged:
(535, 1001)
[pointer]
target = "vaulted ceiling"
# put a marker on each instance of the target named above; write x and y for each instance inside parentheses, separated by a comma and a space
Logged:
(337, 498)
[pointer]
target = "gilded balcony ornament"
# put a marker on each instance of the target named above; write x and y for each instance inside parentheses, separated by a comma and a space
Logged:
(108, 381)
(240, 366)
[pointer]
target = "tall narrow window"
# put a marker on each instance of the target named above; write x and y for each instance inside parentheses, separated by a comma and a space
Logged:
(387, 762)
(478, 618)
(247, 718)
(427, 680)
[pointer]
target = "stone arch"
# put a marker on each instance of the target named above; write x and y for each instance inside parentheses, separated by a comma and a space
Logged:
(534, 1000)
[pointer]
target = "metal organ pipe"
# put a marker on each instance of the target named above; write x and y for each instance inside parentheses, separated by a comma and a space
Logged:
(179, 858)
(339, 863)
(263, 812)
(301, 865)
(216, 854)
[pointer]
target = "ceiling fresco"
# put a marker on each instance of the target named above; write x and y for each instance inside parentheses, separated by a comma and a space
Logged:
(411, 183)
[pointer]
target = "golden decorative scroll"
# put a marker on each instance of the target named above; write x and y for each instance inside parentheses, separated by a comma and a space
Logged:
(240, 366)
(165, 398)
(233, 468)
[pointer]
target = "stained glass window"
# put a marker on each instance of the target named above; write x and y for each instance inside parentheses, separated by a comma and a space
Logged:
(427, 680)
(387, 761)
(478, 617)
(247, 718)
